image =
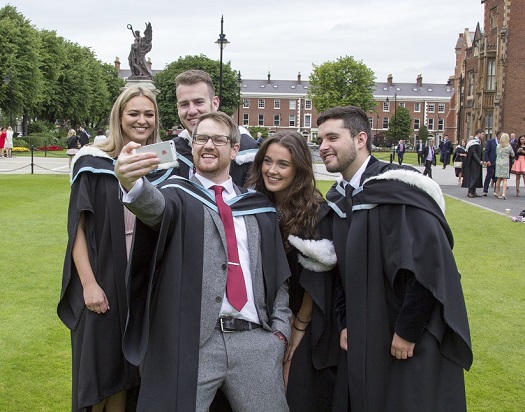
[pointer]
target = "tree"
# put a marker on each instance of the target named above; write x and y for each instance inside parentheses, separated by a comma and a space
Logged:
(165, 82)
(20, 59)
(400, 126)
(423, 133)
(344, 82)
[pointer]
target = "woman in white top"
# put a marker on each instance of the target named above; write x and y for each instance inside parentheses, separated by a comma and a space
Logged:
(9, 142)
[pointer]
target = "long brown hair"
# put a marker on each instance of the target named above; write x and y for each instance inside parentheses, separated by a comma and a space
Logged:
(301, 205)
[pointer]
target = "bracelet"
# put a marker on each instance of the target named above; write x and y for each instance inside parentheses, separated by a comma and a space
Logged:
(296, 328)
(302, 321)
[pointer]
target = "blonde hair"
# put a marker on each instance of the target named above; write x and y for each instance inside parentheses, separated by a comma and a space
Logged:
(504, 140)
(71, 133)
(115, 141)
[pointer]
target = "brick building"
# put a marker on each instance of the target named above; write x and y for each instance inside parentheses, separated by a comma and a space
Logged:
(284, 105)
(489, 76)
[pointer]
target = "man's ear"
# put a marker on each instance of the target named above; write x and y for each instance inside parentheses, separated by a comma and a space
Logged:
(215, 103)
(362, 138)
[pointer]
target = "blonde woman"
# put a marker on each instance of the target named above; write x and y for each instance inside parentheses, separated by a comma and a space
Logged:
(93, 302)
(72, 144)
(504, 153)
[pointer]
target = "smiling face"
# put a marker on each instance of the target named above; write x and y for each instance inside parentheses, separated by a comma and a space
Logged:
(192, 101)
(278, 170)
(137, 120)
(213, 162)
(338, 148)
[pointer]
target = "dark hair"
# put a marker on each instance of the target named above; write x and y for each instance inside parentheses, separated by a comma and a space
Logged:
(301, 205)
(478, 131)
(354, 119)
(100, 132)
(221, 117)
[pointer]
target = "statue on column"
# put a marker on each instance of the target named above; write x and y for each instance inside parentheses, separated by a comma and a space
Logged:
(137, 56)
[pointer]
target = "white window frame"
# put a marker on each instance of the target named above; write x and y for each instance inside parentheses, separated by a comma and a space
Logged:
(245, 119)
(307, 120)
(245, 103)
(291, 120)
(293, 104)
(261, 104)
(260, 121)
(386, 106)
(276, 103)
(417, 107)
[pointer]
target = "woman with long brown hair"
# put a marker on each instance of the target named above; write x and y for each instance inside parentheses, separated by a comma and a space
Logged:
(282, 170)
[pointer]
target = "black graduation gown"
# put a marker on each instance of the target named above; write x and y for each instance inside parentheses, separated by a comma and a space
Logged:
(472, 169)
(99, 367)
(312, 373)
(238, 172)
(164, 290)
(376, 265)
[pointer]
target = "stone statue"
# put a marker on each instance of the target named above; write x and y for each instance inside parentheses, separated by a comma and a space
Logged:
(137, 55)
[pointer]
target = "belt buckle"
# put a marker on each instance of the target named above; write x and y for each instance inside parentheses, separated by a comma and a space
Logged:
(223, 330)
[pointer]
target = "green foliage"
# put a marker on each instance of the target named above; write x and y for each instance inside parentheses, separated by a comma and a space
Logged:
(53, 78)
(165, 82)
(41, 126)
(344, 82)
(256, 129)
(400, 125)
(20, 59)
(423, 133)
(39, 139)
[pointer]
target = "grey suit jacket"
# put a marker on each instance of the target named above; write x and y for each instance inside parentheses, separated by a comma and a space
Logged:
(149, 208)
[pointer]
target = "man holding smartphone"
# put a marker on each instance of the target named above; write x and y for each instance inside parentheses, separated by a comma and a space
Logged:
(196, 96)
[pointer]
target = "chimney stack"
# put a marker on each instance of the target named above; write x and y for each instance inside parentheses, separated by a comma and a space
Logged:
(390, 80)
(419, 80)
(299, 77)
(269, 77)
(117, 64)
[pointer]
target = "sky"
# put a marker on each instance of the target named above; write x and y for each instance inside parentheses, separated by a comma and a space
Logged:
(403, 38)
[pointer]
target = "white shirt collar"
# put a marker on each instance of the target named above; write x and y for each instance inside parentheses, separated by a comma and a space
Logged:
(207, 183)
(355, 181)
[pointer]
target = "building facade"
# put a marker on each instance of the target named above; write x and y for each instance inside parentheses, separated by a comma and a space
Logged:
(489, 75)
(284, 105)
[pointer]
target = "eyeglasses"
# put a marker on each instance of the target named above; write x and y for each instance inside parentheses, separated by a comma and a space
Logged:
(218, 140)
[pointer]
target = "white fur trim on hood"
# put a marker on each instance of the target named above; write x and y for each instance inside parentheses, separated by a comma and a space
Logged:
(315, 255)
(246, 156)
(415, 179)
(87, 151)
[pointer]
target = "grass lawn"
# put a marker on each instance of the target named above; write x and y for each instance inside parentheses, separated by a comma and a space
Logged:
(34, 345)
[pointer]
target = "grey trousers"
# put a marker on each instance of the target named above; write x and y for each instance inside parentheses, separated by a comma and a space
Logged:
(248, 366)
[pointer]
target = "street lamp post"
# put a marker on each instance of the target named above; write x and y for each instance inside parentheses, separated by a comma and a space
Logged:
(222, 42)
(239, 83)
(7, 80)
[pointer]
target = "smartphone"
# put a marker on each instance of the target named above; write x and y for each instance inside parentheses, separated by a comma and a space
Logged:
(165, 151)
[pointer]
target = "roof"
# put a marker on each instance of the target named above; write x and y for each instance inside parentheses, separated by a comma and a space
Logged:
(382, 89)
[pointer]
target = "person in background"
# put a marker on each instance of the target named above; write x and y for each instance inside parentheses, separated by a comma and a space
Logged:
(472, 178)
(405, 326)
(282, 170)
(400, 150)
(100, 137)
(72, 145)
(490, 159)
(504, 153)
(429, 154)
(93, 303)
(9, 141)
(84, 136)
(3, 137)
(445, 149)
(419, 150)
(518, 168)
(460, 156)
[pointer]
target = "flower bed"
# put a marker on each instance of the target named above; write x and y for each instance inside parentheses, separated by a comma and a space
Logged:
(51, 148)
(20, 149)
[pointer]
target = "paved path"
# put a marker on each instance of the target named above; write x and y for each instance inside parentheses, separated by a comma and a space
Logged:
(448, 182)
(444, 177)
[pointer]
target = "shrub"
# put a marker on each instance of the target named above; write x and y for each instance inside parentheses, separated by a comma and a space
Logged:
(20, 149)
(40, 126)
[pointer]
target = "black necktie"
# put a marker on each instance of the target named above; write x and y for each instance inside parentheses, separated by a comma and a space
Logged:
(348, 194)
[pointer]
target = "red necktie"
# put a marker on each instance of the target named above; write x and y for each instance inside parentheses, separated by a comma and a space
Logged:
(235, 287)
